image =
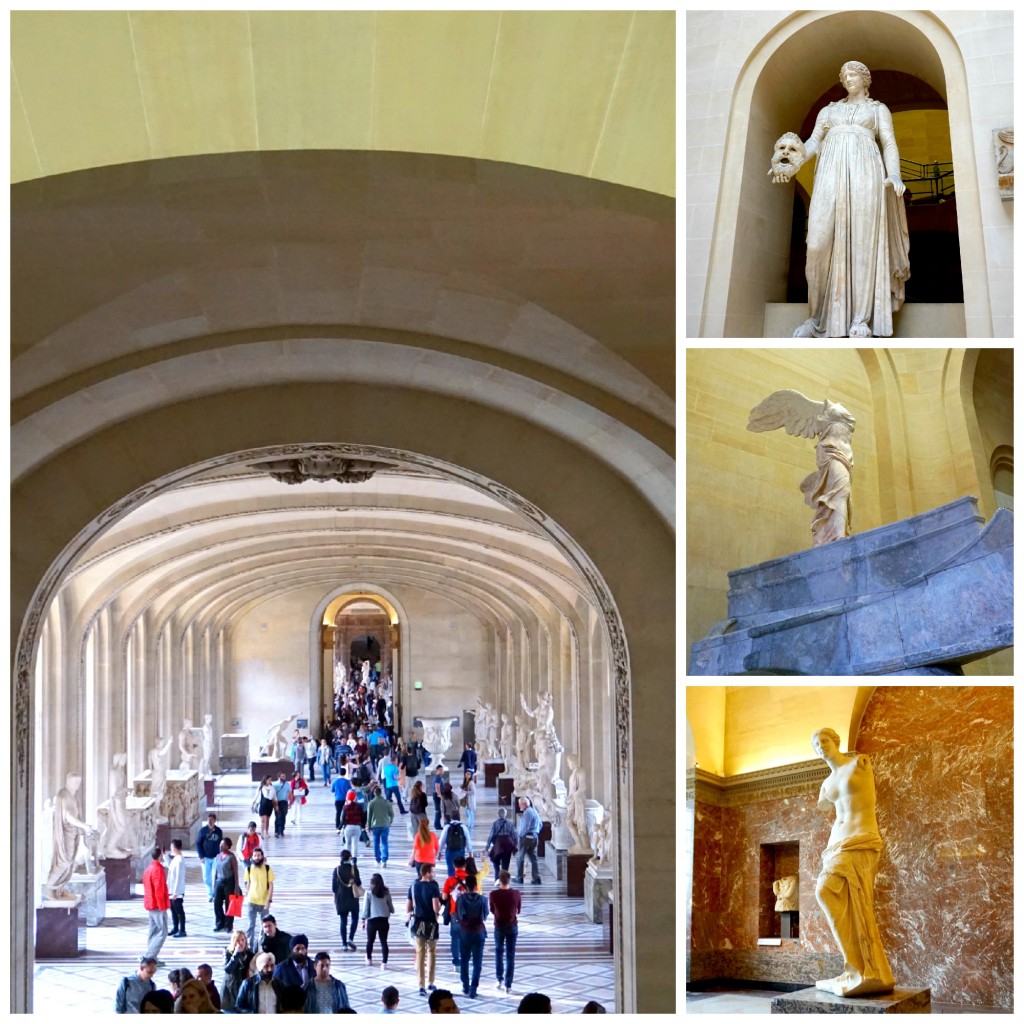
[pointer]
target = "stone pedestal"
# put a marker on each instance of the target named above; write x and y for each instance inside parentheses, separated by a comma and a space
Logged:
(884, 602)
(790, 924)
(143, 814)
(597, 891)
(162, 838)
(506, 787)
(60, 933)
(234, 751)
(210, 789)
(815, 1000)
(543, 837)
(492, 769)
(120, 877)
(262, 768)
(575, 872)
(93, 892)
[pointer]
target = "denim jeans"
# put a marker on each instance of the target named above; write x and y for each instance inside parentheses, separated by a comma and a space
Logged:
(527, 848)
(472, 948)
(505, 936)
(350, 917)
(397, 794)
(209, 863)
(380, 843)
(256, 912)
(456, 936)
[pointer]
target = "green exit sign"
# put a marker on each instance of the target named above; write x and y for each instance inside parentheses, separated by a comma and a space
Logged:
(417, 685)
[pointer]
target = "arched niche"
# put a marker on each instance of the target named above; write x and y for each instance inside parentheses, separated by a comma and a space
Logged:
(791, 66)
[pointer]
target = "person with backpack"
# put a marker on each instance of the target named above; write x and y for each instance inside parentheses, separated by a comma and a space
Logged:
(471, 912)
(454, 843)
(454, 886)
(347, 897)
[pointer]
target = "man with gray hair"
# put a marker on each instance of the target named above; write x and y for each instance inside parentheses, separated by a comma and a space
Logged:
(529, 833)
(501, 843)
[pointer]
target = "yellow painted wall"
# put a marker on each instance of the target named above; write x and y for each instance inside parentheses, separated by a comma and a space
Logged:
(741, 729)
(583, 92)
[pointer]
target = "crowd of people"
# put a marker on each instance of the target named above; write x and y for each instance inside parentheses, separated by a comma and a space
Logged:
(369, 771)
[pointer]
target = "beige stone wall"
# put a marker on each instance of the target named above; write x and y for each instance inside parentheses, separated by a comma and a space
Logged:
(966, 55)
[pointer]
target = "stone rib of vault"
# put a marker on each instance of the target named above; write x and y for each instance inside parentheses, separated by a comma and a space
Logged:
(920, 596)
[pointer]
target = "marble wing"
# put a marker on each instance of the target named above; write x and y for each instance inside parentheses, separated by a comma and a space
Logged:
(789, 409)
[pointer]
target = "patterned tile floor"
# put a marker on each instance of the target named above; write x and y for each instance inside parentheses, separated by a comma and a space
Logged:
(559, 952)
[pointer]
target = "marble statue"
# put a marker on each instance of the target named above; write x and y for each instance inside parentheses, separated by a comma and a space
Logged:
(206, 762)
(160, 764)
(858, 244)
(601, 840)
(118, 838)
(827, 490)
(486, 730)
(545, 739)
(787, 893)
(846, 885)
(522, 756)
(277, 742)
(190, 750)
(576, 805)
(68, 831)
(507, 742)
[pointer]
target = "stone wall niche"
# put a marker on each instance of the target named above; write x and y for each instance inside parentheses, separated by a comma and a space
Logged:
(778, 860)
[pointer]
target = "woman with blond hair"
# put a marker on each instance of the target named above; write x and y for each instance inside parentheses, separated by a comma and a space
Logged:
(237, 958)
(424, 847)
(193, 998)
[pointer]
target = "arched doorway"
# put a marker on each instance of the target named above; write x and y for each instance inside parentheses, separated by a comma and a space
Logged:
(794, 64)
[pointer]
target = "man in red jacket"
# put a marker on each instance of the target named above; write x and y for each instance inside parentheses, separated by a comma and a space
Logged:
(157, 901)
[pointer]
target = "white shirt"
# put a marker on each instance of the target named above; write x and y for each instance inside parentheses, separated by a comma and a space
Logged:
(266, 997)
(176, 876)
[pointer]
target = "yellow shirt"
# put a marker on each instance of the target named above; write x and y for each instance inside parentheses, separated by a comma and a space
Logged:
(258, 880)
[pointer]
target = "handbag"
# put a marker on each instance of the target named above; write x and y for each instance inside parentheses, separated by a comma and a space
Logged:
(358, 891)
(256, 803)
(234, 905)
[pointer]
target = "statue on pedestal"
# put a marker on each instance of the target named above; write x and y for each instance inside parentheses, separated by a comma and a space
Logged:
(507, 742)
(206, 763)
(437, 736)
(786, 892)
(858, 244)
(486, 730)
(117, 839)
(187, 746)
(846, 886)
(828, 489)
(546, 743)
(68, 831)
(522, 756)
(160, 764)
(601, 840)
(576, 805)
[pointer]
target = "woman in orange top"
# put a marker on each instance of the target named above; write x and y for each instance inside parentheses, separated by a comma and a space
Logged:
(424, 846)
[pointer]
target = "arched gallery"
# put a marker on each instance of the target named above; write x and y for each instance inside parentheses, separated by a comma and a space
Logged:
(338, 334)
(929, 556)
(947, 78)
(942, 764)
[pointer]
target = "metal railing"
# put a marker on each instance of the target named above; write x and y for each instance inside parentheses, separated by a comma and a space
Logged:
(927, 183)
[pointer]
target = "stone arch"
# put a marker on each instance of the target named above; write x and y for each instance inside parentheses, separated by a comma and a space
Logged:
(779, 80)
(402, 681)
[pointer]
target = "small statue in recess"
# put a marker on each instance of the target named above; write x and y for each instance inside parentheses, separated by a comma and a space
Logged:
(845, 889)
(787, 896)
(828, 489)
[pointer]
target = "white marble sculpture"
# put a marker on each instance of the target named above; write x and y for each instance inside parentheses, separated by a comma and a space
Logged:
(486, 730)
(576, 805)
(545, 739)
(522, 747)
(858, 245)
(507, 742)
(846, 885)
(160, 765)
(190, 750)
(117, 838)
(787, 893)
(277, 739)
(206, 762)
(68, 832)
(827, 490)
(437, 737)
(601, 840)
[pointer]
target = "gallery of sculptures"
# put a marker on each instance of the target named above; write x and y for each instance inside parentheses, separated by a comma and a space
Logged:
(911, 491)
(321, 331)
(865, 866)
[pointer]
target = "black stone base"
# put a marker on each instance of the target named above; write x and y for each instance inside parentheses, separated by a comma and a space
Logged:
(816, 1000)
(261, 769)
(505, 789)
(575, 874)
(59, 933)
(492, 769)
(543, 836)
(120, 877)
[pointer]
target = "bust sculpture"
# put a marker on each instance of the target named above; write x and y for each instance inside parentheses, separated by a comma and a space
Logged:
(826, 490)
(858, 244)
(786, 891)
(845, 889)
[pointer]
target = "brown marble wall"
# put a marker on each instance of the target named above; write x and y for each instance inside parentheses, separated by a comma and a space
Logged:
(942, 759)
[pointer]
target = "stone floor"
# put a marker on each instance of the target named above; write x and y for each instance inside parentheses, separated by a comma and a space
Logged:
(559, 952)
(750, 1000)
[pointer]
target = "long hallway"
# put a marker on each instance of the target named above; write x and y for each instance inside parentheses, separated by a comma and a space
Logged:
(559, 952)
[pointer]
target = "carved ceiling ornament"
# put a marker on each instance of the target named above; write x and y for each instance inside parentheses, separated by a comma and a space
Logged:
(320, 467)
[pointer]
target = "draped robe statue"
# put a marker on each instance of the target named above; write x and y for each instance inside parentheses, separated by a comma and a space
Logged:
(68, 831)
(858, 243)
(828, 489)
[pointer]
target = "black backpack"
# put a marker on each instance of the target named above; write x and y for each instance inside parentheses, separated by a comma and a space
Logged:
(456, 841)
(412, 764)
